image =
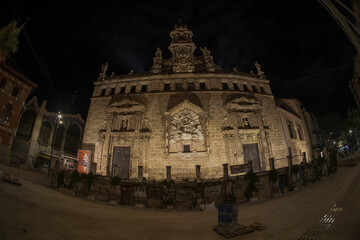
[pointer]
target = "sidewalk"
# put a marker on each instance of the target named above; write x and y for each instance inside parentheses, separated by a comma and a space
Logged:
(26, 174)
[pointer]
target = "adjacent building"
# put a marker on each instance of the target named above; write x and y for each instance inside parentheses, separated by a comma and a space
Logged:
(188, 117)
(14, 90)
(43, 135)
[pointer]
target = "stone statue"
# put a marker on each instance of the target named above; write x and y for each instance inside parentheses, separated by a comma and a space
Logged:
(210, 65)
(131, 72)
(260, 73)
(235, 70)
(156, 68)
(104, 68)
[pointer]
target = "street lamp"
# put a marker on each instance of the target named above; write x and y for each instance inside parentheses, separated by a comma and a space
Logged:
(58, 122)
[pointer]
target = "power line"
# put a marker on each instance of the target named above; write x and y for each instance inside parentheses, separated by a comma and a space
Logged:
(305, 79)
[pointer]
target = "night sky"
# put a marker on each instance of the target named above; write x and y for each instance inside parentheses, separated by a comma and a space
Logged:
(303, 51)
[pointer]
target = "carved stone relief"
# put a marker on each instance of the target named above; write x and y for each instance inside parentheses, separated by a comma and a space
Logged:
(186, 125)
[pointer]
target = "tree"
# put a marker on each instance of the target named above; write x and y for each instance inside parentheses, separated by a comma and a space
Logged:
(9, 40)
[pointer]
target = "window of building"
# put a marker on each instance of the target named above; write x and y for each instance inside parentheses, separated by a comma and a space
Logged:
(179, 86)
(21, 94)
(133, 89)
(254, 89)
(202, 86)
(102, 92)
(167, 87)
(300, 133)
(225, 86)
(9, 87)
(291, 130)
(122, 89)
(191, 86)
(6, 114)
(144, 88)
(236, 87)
(186, 148)
(246, 89)
(57, 140)
(112, 91)
(262, 90)
(44, 134)
(72, 139)
(15, 91)
(26, 124)
(2, 83)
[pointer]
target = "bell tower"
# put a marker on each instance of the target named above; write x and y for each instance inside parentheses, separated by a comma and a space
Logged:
(182, 49)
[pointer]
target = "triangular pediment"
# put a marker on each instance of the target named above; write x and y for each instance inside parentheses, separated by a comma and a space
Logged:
(242, 104)
(125, 105)
(186, 105)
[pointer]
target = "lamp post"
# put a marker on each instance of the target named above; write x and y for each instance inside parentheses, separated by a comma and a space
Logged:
(58, 122)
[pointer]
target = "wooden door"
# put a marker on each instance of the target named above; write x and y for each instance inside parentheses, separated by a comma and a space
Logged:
(121, 162)
(251, 153)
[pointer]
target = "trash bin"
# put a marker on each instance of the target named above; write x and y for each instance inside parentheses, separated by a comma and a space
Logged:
(227, 217)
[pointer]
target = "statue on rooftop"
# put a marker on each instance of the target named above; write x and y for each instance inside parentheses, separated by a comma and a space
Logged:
(104, 68)
(260, 73)
(209, 62)
(156, 68)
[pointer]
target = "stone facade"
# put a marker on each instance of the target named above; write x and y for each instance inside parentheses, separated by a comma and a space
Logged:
(187, 115)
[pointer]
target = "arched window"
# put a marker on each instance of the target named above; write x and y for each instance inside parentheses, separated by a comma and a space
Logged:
(2, 83)
(6, 114)
(9, 87)
(15, 91)
(44, 134)
(58, 137)
(72, 139)
(26, 124)
(22, 94)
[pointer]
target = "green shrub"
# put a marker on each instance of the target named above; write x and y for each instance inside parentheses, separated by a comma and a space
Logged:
(169, 202)
(74, 178)
(273, 175)
(115, 181)
(295, 168)
(251, 188)
(90, 179)
(60, 178)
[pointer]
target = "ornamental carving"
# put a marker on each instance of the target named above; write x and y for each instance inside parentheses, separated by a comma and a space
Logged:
(186, 126)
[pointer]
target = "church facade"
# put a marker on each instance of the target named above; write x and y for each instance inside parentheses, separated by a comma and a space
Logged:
(187, 117)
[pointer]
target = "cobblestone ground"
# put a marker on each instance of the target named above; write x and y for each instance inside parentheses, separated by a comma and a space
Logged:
(33, 211)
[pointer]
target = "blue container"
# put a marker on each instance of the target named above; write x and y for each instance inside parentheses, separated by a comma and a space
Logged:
(228, 217)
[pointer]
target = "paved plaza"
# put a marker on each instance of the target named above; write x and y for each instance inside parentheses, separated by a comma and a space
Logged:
(35, 211)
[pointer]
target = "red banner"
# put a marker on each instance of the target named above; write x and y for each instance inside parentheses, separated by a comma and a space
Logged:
(84, 161)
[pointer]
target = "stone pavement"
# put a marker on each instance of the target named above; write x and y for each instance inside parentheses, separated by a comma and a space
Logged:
(33, 211)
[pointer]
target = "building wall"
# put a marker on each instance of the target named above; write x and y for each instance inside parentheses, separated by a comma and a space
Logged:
(14, 89)
(26, 149)
(221, 113)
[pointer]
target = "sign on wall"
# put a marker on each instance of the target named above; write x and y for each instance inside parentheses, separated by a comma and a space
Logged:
(84, 161)
(235, 169)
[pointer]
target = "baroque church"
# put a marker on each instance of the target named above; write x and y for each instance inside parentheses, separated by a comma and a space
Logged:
(188, 117)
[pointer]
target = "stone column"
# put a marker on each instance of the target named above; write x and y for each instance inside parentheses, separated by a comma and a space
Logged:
(226, 171)
(289, 159)
(198, 174)
(271, 164)
(168, 173)
(140, 173)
